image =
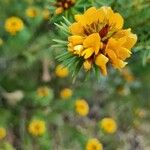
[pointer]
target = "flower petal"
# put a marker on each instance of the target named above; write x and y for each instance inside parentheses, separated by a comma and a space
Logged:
(123, 53)
(75, 39)
(93, 41)
(87, 53)
(87, 65)
(76, 29)
(101, 61)
(116, 62)
(131, 38)
(118, 21)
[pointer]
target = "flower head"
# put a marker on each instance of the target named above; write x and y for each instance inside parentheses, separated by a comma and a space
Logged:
(97, 37)
(62, 5)
(61, 71)
(43, 91)
(108, 125)
(37, 127)
(141, 113)
(31, 12)
(13, 25)
(2, 133)
(46, 14)
(66, 93)
(94, 144)
(81, 107)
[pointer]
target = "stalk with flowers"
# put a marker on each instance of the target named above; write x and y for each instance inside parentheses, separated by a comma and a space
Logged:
(95, 40)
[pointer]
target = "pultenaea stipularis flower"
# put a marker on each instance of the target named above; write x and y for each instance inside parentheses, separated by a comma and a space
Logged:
(61, 71)
(94, 144)
(43, 91)
(99, 38)
(62, 5)
(108, 125)
(66, 93)
(13, 25)
(37, 127)
(32, 12)
(81, 107)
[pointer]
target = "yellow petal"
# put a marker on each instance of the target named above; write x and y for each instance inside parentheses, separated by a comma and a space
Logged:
(87, 65)
(113, 18)
(76, 29)
(118, 49)
(75, 39)
(119, 64)
(123, 53)
(116, 62)
(78, 49)
(112, 44)
(81, 19)
(93, 41)
(87, 53)
(90, 14)
(118, 21)
(131, 38)
(111, 54)
(107, 11)
(100, 15)
(101, 61)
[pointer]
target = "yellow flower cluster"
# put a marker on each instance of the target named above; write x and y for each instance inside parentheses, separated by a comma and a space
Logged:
(2, 133)
(108, 125)
(37, 127)
(43, 91)
(31, 12)
(81, 107)
(66, 93)
(13, 25)
(94, 144)
(62, 5)
(98, 37)
(61, 71)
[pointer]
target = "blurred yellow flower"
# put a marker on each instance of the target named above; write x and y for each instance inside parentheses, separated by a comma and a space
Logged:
(37, 127)
(1, 41)
(66, 93)
(98, 37)
(94, 144)
(108, 125)
(61, 6)
(127, 74)
(140, 113)
(61, 71)
(43, 91)
(14, 25)
(59, 10)
(81, 107)
(2, 133)
(31, 12)
(46, 14)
